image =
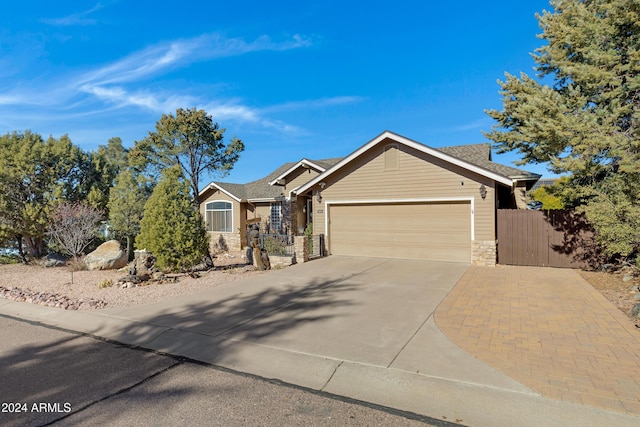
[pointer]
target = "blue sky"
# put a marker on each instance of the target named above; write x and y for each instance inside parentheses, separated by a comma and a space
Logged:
(291, 79)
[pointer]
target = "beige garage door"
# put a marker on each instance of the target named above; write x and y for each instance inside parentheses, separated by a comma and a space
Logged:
(426, 231)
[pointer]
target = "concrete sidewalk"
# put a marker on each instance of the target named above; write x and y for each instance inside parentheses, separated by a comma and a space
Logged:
(360, 328)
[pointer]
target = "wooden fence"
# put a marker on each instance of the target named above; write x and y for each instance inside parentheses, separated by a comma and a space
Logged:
(545, 239)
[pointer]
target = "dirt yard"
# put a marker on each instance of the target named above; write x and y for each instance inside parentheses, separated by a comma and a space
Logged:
(619, 292)
(83, 286)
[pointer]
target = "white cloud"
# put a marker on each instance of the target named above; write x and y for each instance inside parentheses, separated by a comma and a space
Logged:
(476, 124)
(314, 103)
(177, 53)
(121, 88)
(110, 83)
(79, 18)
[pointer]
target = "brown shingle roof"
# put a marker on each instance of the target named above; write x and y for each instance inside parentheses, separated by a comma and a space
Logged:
(480, 155)
(477, 154)
(260, 188)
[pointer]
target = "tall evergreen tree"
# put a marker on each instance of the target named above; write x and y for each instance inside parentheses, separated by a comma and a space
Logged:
(194, 142)
(104, 166)
(126, 206)
(170, 227)
(585, 121)
(34, 174)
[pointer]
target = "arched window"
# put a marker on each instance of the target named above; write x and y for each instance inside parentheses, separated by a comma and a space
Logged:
(219, 216)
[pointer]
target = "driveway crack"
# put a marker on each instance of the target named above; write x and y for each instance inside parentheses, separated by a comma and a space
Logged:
(410, 338)
(331, 377)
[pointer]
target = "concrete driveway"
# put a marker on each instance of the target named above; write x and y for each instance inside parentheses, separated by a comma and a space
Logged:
(356, 309)
(356, 327)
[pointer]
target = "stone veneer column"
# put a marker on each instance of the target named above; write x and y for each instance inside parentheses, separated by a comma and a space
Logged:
(483, 253)
(301, 248)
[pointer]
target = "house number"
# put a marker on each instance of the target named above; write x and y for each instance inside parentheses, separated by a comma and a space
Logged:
(320, 211)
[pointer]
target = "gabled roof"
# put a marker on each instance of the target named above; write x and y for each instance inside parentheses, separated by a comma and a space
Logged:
(261, 189)
(475, 158)
(304, 163)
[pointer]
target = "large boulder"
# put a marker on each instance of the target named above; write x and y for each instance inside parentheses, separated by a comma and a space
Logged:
(108, 256)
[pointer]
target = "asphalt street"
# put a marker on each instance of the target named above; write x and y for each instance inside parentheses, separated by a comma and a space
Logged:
(53, 376)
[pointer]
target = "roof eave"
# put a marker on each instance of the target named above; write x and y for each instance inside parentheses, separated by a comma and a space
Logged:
(413, 144)
(302, 163)
(213, 185)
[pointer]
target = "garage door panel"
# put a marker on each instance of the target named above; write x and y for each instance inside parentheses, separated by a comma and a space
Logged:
(429, 231)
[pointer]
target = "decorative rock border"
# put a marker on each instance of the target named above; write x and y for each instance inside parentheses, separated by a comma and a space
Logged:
(50, 300)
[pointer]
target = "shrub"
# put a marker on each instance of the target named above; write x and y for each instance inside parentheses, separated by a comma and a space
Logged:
(171, 228)
(106, 283)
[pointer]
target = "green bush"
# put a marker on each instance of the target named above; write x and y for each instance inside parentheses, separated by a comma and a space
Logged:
(274, 246)
(171, 228)
(9, 259)
(309, 233)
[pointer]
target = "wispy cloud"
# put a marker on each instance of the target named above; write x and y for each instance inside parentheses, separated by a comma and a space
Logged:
(79, 18)
(476, 124)
(110, 82)
(124, 86)
(177, 53)
(314, 103)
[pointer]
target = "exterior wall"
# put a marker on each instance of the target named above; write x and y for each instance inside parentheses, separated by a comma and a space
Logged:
(520, 195)
(259, 210)
(298, 178)
(417, 176)
(297, 217)
(222, 242)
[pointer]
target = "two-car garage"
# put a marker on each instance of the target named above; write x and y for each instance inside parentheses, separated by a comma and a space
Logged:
(434, 231)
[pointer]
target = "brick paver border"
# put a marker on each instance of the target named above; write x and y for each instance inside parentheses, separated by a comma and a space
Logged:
(548, 329)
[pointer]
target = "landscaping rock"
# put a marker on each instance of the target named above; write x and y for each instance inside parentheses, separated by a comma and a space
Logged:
(635, 311)
(627, 278)
(143, 263)
(108, 256)
(53, 260)
(48, 299)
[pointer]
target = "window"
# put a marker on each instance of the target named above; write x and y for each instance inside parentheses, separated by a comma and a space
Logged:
(219, 216)
(276, 217)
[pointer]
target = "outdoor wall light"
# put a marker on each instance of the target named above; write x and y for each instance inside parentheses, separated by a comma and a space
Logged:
(318, 196)
(483, 192)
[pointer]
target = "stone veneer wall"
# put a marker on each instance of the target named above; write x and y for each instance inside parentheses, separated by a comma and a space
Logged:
(218, 240)
(301, 248)
(483, 252)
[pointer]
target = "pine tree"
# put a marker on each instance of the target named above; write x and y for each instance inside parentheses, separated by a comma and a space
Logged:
(34, 176)
(126, 207)
(192, 141)
(585, 121)
(170, 228)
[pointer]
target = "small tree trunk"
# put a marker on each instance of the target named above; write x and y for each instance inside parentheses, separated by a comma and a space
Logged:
(23, 258)
(128, 248)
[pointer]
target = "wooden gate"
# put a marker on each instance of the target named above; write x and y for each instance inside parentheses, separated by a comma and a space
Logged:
(545, 239)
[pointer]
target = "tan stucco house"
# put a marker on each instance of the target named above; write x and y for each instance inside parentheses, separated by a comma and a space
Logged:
(392, 197)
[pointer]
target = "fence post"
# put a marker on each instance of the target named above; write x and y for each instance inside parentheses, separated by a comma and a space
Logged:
(301, 248)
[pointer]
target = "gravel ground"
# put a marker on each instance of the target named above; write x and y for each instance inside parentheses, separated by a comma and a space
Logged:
(616, 290)
(84, 285)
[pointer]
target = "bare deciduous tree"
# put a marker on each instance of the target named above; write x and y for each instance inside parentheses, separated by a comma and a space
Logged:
(73, 227)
